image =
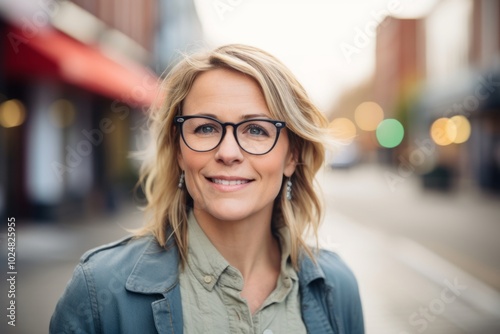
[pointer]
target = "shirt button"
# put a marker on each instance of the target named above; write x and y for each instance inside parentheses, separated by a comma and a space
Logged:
(207, 279)
(267, 331)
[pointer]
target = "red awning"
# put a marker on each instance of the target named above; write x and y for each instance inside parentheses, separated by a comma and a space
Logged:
(50, 53)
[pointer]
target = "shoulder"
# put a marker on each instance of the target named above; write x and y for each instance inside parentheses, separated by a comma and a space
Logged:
(99, 295)
(125, 259)
(140, 265)
(123, 249)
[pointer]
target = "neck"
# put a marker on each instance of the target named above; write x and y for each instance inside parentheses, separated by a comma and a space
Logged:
(248, 245)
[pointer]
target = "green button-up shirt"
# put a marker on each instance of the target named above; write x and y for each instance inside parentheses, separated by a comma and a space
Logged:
(211, 287)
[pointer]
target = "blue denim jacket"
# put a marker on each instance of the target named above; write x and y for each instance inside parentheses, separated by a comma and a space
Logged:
(132, 286)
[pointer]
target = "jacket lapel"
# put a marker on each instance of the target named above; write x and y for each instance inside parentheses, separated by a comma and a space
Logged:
(313, 298)
(156, 272)
(168, 315)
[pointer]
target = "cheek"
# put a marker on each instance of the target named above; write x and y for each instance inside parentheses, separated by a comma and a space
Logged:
(281, 162)
(271, 169)
(191, 163)
(187, 159)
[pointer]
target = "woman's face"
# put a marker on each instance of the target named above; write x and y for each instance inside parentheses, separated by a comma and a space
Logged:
(228, 183)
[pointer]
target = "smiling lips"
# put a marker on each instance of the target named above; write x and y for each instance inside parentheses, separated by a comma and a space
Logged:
(226, 182)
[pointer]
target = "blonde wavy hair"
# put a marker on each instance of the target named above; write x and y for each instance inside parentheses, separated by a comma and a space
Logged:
(168, 206)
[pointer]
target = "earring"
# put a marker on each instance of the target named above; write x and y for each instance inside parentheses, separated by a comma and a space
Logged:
(289, 189)
(181, 181)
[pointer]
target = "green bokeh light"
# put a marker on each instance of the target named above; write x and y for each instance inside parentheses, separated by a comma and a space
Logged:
(390, 133)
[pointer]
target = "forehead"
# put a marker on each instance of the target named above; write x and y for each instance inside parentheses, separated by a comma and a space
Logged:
(222, 90)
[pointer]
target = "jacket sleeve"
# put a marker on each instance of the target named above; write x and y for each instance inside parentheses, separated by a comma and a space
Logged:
(75, 310)
(345, 301)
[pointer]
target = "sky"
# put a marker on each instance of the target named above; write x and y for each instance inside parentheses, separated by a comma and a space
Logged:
(328, 44)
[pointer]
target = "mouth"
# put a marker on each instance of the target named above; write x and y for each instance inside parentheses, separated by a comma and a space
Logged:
(226, 182)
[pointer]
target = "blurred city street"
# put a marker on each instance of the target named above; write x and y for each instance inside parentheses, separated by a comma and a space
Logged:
(410, 91)
(425, 262)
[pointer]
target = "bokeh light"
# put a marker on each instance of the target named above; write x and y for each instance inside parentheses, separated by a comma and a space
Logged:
(443, 131)
(12, 113)
(343, 129)
(390, 133)
(463, 129)
(368, 116)
(62, 113)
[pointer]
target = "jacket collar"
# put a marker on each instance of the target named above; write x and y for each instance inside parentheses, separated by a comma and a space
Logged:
(156, 270)
(315, 303)
(309, 271)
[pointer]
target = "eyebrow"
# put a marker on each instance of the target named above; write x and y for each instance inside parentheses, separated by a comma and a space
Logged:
(244, 117)
(250, 116)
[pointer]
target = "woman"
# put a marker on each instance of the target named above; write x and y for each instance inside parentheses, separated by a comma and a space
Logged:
(230, 193)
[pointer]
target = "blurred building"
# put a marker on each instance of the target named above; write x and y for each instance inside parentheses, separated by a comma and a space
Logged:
(462, 92)
(439, 76)
(485, 57)
(399, 64)
(179, 30)
(75, 80)
(400, 68)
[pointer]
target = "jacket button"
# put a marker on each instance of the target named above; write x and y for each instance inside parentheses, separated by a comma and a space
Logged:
(207, 279)
(267, 331)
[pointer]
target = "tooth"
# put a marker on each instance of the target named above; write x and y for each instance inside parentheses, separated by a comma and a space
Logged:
(228, 182)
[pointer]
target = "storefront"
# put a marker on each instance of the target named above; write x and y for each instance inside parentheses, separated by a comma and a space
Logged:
(69, 115)
(467, 144)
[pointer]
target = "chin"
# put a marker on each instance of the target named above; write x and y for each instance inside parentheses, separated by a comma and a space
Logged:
(229, 214)
(230, 209)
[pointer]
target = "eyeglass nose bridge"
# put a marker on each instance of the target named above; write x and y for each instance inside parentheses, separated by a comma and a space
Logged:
(224, 132)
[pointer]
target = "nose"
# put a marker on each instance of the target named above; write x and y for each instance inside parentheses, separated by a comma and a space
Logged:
(228, 151)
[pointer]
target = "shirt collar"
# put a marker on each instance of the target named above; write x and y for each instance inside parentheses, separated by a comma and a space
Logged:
(205, 261)
(208, 265)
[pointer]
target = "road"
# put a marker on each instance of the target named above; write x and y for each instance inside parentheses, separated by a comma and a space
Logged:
(425, 262)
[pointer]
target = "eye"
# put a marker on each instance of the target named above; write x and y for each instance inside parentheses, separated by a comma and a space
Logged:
(256, 130)
(207, 129)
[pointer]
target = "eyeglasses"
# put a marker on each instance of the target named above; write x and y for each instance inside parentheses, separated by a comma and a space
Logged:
(204, 133)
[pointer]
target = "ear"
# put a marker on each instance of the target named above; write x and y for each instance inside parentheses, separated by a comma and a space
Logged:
(290, 164)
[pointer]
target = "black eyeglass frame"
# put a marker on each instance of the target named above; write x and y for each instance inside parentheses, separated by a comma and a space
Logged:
(179, 121)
